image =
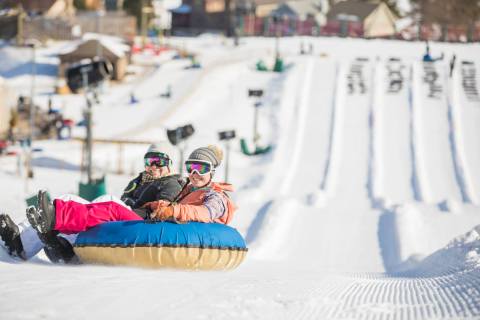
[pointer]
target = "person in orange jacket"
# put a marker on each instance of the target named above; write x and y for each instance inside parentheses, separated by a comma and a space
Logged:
(201, 199)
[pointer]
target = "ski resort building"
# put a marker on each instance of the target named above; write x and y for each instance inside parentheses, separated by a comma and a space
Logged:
(116, 52)
(360, 19)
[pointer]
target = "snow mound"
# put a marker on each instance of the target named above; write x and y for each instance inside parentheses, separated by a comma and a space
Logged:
(461, 255)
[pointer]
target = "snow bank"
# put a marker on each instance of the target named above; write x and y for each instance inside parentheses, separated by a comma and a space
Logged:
(462, 254)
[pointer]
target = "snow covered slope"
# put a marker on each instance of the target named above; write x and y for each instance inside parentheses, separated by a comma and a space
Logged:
(374, 170)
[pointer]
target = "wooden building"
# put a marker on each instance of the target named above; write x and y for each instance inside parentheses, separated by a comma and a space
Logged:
(118, 54)
(364, 19)
(49, 8)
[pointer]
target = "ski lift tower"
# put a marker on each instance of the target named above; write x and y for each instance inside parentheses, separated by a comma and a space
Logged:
(227, 136)
(33, 44)
(147, 11)
(86, 75)
(256, 93)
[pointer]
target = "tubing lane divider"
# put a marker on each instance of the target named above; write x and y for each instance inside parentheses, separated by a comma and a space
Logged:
(329, 182)
(456, 147)
(302, 108)
(414, 91)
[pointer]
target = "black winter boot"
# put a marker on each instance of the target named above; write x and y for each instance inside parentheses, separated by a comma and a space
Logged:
(57, 248)
(45, 218)
(10, 235)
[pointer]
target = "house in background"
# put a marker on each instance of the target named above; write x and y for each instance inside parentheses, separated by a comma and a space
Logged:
(197, 16)
(108, 47)
(49, 8)
(113, 23)
(219, 16)
(301, 17)
(59, 20)
(106, 17)
(264, 8)
(248, 17)
(8, 24)
(163, 13)
(360, 19)
(45, 19)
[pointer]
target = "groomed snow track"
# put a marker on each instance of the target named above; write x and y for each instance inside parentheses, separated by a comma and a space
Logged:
(390, 143)
(377, 297)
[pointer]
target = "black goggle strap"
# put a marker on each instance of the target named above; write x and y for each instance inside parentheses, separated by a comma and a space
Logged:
(161, 160)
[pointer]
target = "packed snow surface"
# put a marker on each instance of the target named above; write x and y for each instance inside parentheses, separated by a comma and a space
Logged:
(367, 207)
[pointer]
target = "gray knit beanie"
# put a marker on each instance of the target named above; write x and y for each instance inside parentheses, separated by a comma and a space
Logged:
(211, 153)
(157, 149)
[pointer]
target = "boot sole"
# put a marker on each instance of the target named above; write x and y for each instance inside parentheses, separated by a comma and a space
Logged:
(11, 239)
(35, 220)
(3, 236)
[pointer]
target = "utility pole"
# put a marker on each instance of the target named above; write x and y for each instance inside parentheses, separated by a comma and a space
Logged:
(145, 11)
(256, 135)
(20, 24)
(99, 26)
(227, 136)
(228, 19)
(32, 44)
(88, 119)
(257, 93)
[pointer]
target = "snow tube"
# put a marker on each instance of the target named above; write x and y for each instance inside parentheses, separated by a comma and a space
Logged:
(194, 245)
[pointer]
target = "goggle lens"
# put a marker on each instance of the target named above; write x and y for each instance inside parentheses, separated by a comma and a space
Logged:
(200, 167)
(157, 162)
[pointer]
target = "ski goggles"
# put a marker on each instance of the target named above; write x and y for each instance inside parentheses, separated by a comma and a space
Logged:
(198, 166)
(156, 162)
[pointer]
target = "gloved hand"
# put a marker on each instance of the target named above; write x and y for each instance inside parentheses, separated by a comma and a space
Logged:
(154, 205)
(162, 213)
(129, 202)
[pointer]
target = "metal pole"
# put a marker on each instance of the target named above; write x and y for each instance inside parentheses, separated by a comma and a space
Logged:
(228, 19)
(143, 23)
(275, 21)
(255, 124)
(32, 115)
(88, 119)
(20, 25)
(99, 30)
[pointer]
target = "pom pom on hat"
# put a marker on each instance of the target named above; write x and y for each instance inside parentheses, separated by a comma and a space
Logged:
(212, 153)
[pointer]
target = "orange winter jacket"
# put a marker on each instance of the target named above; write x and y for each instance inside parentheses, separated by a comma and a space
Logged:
(191, 204)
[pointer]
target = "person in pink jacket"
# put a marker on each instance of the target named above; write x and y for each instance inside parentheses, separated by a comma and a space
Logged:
(200, 200)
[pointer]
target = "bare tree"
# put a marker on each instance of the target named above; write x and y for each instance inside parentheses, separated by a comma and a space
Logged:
(469, 13)
(447, 13)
